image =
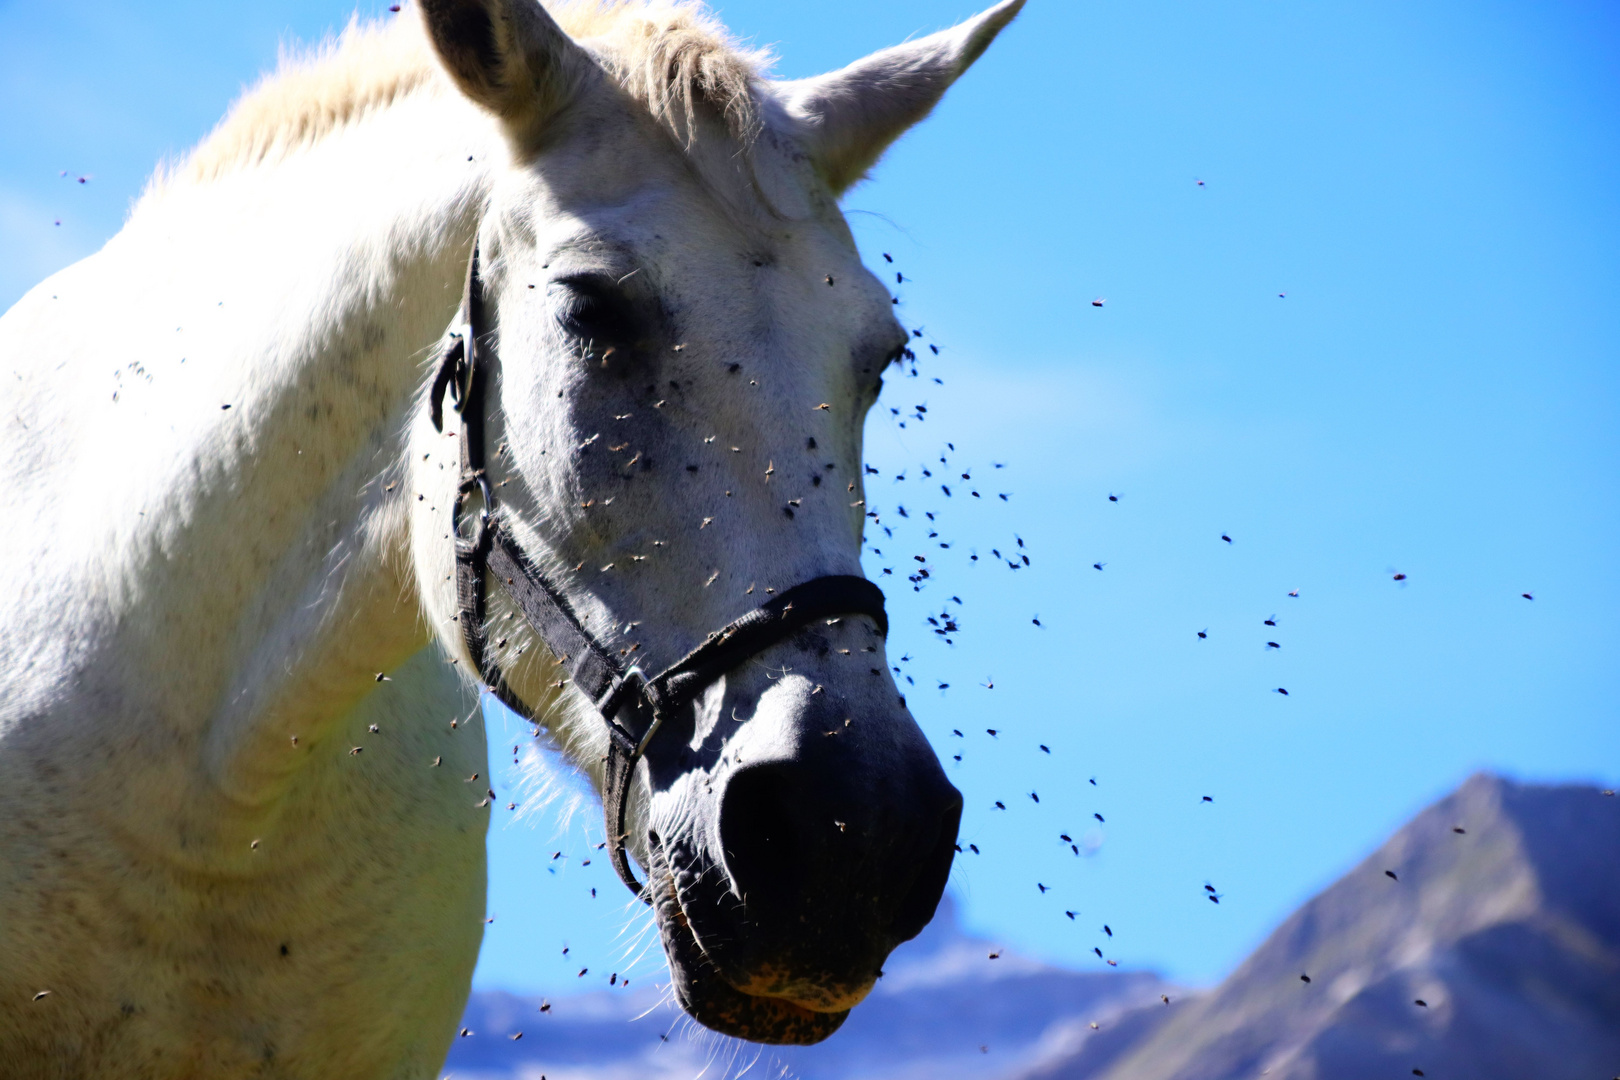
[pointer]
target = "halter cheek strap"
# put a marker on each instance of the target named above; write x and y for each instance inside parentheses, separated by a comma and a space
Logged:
(633, 707)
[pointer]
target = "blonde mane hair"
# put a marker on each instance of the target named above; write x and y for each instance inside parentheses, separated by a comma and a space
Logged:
(671, 56)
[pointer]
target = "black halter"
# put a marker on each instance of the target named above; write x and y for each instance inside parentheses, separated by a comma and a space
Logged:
(597, 673)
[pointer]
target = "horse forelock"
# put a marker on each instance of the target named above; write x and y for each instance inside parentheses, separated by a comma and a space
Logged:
(671, 57)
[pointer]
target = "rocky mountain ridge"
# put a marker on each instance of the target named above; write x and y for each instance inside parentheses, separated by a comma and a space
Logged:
(1481, 941)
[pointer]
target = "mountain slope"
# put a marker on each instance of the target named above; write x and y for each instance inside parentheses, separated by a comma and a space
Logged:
(1502, 916)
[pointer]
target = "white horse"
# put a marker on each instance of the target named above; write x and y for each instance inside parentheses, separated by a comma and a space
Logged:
(242, 794)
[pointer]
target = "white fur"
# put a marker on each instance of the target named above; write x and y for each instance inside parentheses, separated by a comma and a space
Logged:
(199, 599)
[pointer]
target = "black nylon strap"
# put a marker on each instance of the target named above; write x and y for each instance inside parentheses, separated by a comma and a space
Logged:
(770, 623)
(615, 689)
(551, 616)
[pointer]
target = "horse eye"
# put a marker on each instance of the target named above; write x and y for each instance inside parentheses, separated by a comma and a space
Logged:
(591, 309)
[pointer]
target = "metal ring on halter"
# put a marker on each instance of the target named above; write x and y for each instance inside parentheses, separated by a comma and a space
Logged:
(635, 681)
(454, 374)
(652, 729)
(612, 698)
(481, 536)
(462, 377)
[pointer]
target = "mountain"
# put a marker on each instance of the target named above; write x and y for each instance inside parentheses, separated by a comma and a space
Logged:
(942, 1011)
(1500, 911)
(1482, 941)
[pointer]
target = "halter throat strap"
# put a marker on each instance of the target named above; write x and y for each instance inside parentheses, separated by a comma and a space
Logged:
(632, 706)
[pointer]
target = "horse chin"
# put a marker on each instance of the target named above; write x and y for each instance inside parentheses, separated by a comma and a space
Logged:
(716, 1003)
(719, 1006)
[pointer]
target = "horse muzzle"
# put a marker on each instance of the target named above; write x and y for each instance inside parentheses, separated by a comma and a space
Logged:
(825, 860)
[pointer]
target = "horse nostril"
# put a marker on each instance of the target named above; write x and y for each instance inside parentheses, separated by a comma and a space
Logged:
(763, 849)
(916, 908)
(793, 849)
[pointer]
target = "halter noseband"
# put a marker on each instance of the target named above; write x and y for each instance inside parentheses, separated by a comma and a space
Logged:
(611, 686)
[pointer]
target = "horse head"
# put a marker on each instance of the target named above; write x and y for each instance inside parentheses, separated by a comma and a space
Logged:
(688, 344)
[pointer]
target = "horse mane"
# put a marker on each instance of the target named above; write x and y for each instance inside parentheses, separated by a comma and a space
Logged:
(671, 56)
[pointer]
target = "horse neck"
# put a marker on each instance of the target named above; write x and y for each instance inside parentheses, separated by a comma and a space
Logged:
(257, 548)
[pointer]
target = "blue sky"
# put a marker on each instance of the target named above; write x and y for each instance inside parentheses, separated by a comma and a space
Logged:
(1431, 187)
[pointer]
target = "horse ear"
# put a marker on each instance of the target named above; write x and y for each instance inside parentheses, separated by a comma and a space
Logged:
(847, 118)
(509, 56)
